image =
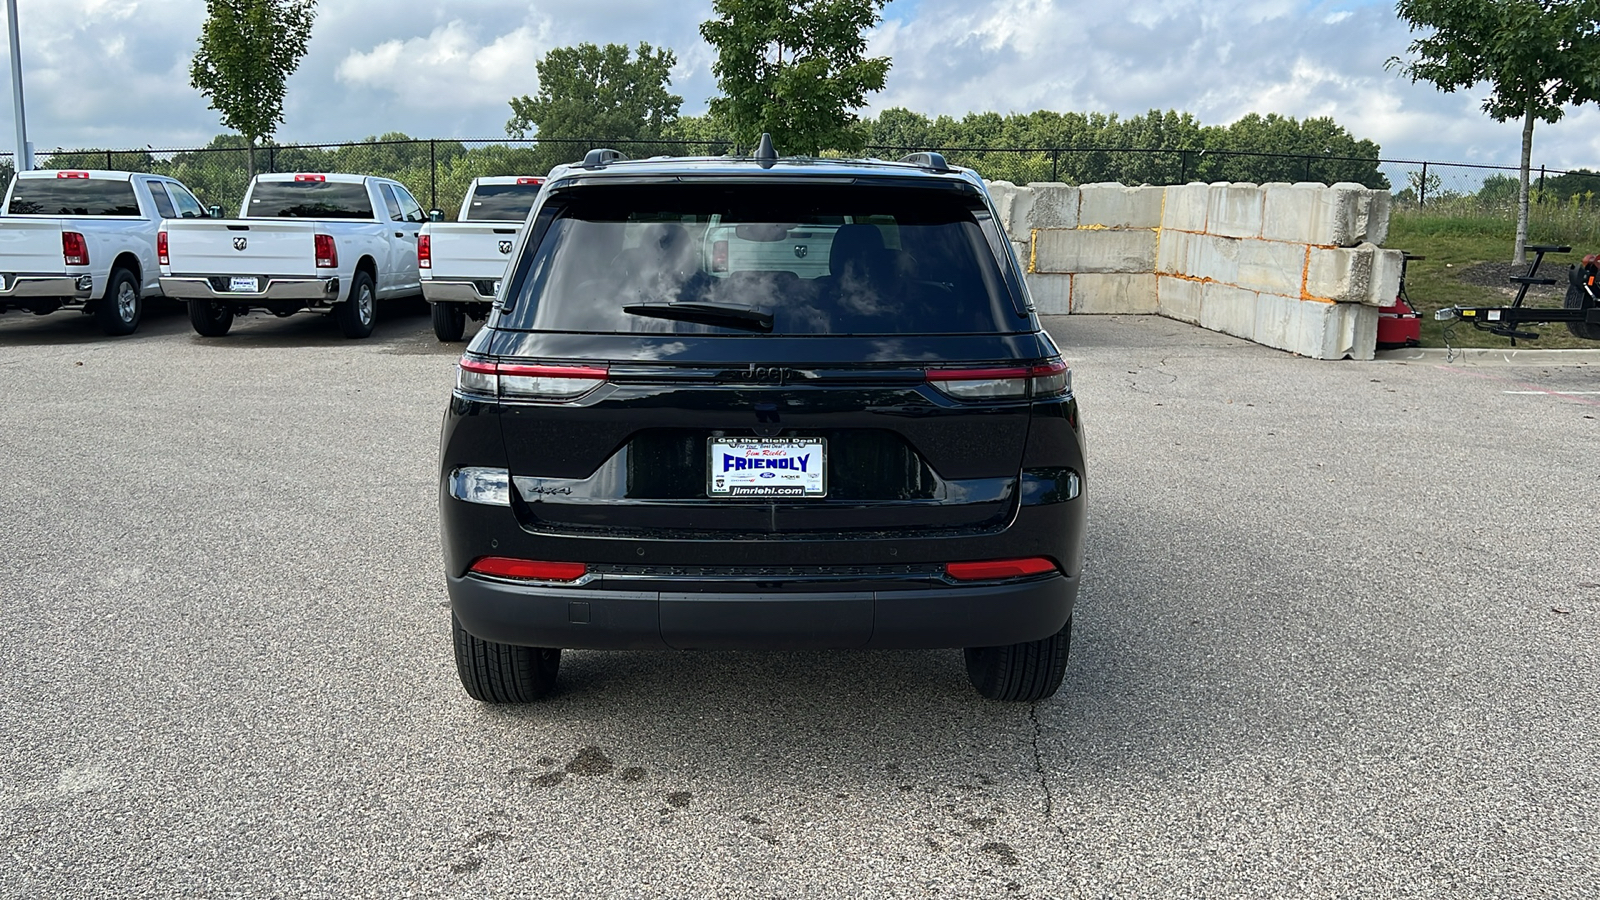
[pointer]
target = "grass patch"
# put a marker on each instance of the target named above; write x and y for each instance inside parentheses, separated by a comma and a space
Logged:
(1455, 241)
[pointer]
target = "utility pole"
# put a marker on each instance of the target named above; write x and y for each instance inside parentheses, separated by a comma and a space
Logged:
(24, 155)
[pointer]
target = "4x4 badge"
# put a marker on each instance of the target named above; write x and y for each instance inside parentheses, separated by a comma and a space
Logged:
(240, 243)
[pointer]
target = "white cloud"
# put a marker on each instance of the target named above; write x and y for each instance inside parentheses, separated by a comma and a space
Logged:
(451, 68)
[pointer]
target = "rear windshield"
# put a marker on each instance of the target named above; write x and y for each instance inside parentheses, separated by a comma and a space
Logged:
(502, 202)
(769, 259)
(309, 200)
(72, 197)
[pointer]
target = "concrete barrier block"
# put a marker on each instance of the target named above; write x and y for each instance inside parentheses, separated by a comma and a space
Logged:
(1052, 294)
(1079, 251)
(1179, 298)
(1278, 321)
(1234, 210)
(1106, 294)
(1315, 214)
(1229, 309)
(1386, 268)
(1269, 266)
(1003, 194)
(1361, 274)
(1335, 331)
(1375, 223)
(1342, 275)
(1012, 204)
(1173, 250)
(1215, 258)
(1117, 206)
(1024, 250)
(1186, 207)
(1048, 205)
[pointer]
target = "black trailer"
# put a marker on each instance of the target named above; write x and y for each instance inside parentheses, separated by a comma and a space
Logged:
(1580, 312)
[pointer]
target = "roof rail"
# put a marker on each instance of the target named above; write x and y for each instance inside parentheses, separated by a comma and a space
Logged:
(600, 157)
(931, 161)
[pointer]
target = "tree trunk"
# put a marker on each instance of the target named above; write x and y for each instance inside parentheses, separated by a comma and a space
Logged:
(251, 166)
(1520, 257)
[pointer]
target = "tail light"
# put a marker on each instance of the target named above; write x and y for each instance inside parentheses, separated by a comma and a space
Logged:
(424, 251)
(528, 569)
(512, 382)
(1009, 383)
(311, 178)
(327, 252)
(72, 174)
(719, 256)
(161, 249)
(74, 249)
(530, 181)
(991, 570)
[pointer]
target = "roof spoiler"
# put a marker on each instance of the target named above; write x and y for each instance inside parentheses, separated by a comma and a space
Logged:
(931, 161)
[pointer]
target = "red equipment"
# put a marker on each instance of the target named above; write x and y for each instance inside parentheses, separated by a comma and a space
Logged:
(1398, 324)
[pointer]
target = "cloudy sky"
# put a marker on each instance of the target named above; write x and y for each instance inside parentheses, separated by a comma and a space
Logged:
(115, 72)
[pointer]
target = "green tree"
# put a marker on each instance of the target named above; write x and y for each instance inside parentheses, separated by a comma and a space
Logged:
(1577, 183)
(796, 69)
(1537, 56)
(706, 134)
(589, 93)
(248, 50)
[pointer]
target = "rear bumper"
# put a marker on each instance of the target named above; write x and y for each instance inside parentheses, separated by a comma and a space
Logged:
(597, 617)
(464, 291)
(61, 287)
(311, 291)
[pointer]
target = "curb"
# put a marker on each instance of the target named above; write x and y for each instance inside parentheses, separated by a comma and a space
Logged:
(1485, 356)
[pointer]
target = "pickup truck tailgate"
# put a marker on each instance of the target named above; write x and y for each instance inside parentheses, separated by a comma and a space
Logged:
(471, 250)
(31, 247)
(241, 247)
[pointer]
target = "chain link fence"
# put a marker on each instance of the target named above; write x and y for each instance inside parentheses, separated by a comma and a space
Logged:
(440, 170)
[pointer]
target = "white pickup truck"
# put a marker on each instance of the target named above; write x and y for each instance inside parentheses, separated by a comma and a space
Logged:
(462, 262)
(86, 240)
(327, 243)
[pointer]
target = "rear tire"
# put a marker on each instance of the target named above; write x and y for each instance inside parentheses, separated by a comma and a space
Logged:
(1020, 672)
(356, 315)
(121, 307)
(503, 673)
(210, 318)
(1578, 298)
(449, 321)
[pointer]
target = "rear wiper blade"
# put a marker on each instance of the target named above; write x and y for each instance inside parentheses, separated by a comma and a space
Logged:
(705, 314)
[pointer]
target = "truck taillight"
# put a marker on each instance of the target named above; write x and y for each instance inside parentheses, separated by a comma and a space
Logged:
(72, 174)
(1008, 383)
(74, 249)
(476, 378)
(327, 252)
(161, 249)
(424, 251)
(528, 569)
(311, 178)
(995, 569)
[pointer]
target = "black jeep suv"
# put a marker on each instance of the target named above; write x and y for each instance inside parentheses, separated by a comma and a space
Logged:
(762, 403)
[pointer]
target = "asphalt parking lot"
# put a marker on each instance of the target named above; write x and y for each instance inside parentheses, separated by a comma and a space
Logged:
(1338, 637)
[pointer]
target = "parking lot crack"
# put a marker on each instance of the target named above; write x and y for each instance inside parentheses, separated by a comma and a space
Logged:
(1038, 768)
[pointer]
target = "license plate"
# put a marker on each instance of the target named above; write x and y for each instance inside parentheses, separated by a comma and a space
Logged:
(245, 285)
(767, 467)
